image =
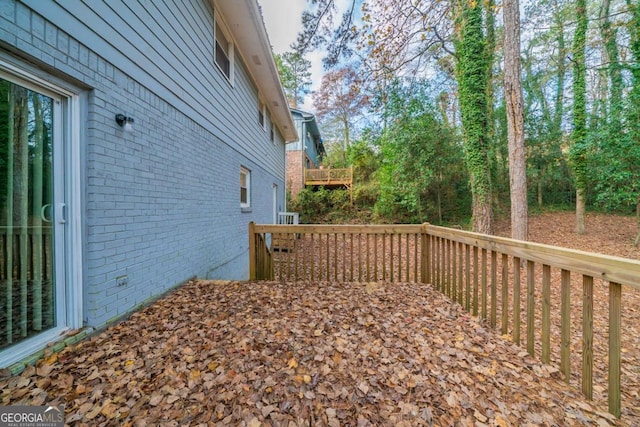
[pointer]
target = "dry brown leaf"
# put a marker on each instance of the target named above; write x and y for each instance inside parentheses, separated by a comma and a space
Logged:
(502, 421)
(155, 399)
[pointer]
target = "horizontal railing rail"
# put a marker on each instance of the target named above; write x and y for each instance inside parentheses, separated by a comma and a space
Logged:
(528, 286)
(606, 267)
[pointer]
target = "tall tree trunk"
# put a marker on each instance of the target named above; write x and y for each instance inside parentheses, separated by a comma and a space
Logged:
(580, 211)
(614, 73)
(345, 123)
(637, 240)
(495, 144)
(9, 215)
(578, 153)
(36, 208)
(560, 75)
(633, 112)
(540, 174)
(21, 196)
(515, 120)
(439, 204)
(471, 74)
(443, 104)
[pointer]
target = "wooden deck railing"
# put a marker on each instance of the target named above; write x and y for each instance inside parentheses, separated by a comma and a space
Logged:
(525, 285)
(347, 253)
(329, 176)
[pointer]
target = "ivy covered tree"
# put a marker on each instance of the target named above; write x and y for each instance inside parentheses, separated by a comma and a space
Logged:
(579, 148)
(472, 76)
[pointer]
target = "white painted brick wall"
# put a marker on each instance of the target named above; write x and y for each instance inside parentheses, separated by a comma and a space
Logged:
(161, 204)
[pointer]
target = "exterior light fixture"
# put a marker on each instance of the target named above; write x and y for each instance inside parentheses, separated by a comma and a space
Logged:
(125, 122)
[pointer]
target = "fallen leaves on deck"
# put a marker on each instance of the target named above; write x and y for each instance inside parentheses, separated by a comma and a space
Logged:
(274, 354)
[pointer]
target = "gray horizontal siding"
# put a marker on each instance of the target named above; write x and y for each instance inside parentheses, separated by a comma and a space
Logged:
(168, 46)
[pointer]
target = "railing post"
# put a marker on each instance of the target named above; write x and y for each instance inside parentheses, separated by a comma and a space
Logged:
(587, 336)
(615, 329)
(531, 305)
(425, 265)
(494, 289)
(516, 300)
(252, 251)
(546, 313)
(505, 294)
(565, 322)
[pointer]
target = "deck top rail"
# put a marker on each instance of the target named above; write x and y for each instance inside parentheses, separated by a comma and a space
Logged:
(610, 268)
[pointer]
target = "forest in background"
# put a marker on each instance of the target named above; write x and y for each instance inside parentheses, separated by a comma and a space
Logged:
(414, 99)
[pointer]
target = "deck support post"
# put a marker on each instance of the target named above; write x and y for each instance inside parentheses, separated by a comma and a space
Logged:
(252, 251)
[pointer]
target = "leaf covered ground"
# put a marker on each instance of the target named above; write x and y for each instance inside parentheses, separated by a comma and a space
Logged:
(301, 354)
(311, 353)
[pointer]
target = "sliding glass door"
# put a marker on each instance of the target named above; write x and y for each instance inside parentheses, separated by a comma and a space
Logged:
(31, 205)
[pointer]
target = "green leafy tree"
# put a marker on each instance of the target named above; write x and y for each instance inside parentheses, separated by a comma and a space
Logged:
(365, 161)
(295, 76)
(545, 64)
(611, 60)
(617, 163)
(419, 160)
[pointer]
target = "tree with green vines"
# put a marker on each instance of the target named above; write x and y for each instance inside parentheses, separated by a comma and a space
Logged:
(578, 154)
(472, 76)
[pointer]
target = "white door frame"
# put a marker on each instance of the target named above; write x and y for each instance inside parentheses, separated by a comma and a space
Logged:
(67, 210)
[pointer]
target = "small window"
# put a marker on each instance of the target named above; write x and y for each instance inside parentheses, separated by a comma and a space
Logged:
(245, 188)
(223, 51)
(261, 120)
(273, 132)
